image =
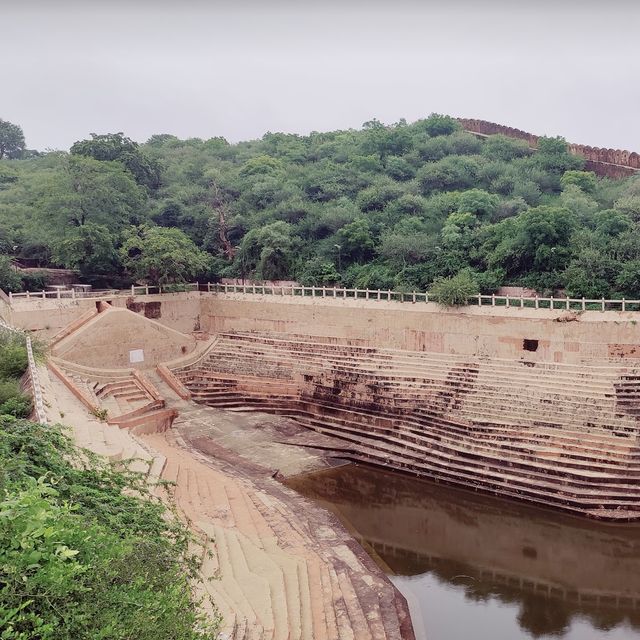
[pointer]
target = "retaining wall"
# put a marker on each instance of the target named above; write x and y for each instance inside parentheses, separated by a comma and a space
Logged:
(554, 336)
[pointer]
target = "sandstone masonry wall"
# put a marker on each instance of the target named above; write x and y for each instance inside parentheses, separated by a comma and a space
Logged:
(552, 336)
(611, 163)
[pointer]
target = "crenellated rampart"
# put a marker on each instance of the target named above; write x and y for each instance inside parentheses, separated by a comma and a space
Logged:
(611, 163)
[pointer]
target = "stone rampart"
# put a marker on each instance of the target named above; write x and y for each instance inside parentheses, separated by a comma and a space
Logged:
(611, 163)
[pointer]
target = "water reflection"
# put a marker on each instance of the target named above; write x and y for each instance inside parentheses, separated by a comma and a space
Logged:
(553, 574)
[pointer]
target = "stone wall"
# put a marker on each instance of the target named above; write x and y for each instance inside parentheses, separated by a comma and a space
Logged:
(490, 331)
(119, 338)
(180, 311)
(612, 163)
(497, 332)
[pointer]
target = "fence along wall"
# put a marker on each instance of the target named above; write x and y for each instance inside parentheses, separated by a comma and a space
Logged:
(497, 328)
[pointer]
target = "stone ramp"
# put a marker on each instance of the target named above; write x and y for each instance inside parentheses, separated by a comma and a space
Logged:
(274, 566)
(280, 576)
(115, 444)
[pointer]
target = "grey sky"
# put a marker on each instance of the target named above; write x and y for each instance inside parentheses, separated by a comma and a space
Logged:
(239, 69)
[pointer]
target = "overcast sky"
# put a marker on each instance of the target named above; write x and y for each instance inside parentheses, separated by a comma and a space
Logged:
(199, 68)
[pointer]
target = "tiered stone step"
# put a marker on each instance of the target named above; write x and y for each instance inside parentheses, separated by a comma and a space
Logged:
(117, 395)
(579, 402)
(561, 435)
(275, 577)
(115, 444)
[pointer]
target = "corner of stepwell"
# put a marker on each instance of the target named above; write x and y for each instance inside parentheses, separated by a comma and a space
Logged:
(537, 405)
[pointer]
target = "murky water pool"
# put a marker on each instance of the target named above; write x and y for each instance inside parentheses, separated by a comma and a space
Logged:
(472, 566)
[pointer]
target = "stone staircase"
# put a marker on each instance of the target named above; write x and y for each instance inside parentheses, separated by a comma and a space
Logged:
(270, 573)
(277, 576)
(559, 435)
(115, 444)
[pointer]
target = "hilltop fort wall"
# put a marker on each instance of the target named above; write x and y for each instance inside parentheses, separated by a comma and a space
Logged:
(611, 163)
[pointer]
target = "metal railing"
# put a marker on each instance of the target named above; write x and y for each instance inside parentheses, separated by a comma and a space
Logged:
(387, 295)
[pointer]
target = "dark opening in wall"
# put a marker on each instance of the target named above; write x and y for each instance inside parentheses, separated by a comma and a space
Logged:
(530, 345)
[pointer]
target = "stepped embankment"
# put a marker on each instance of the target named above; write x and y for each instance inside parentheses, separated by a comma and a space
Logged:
(275, 566)
(559, 435)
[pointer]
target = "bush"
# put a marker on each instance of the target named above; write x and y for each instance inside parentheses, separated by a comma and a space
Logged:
(13, 358)
(19, 406)
(34, 281)
(82, 555)
(9, 277)
(9, 389)
(454, 291)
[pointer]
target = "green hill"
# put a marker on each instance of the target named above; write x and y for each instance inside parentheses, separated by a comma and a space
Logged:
(381, 207)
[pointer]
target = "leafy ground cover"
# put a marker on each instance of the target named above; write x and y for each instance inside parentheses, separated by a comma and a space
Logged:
(85, 551)
(13, 364)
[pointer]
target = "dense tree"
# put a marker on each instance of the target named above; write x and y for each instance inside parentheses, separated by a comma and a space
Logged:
(386, 206)
(117, 147)
(94, 191)
(89, 249)
(11, 140)
(267, 251)
(161, 256)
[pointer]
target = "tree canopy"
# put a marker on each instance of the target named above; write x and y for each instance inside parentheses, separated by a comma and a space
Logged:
(401, 206)
(11, 140)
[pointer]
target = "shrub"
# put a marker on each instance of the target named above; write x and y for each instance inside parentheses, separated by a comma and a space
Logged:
(13, 358)
(9, 278)
(18, 406)
(454, 291)
(82, 554)
(34, 281)
(9, 389)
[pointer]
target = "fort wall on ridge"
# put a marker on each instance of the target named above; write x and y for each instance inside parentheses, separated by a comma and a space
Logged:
(610, 163)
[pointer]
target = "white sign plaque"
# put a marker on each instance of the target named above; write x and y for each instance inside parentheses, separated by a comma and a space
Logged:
(136, 355)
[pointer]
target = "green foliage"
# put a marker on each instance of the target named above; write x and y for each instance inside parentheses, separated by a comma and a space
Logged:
(11, 140)
(500, 147)
(13, 364)
(479, 202)
(117, 147)
(13, 356)
(89, 249)
(161, 255)
(584, 180)
(416, 201)
(448, 174)
(439, 125)
(455, 290)
(268, 251)
(87, 552)
(33, 281)
(10, 279)
(18, 406)
(9, 388)
(318, 273)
